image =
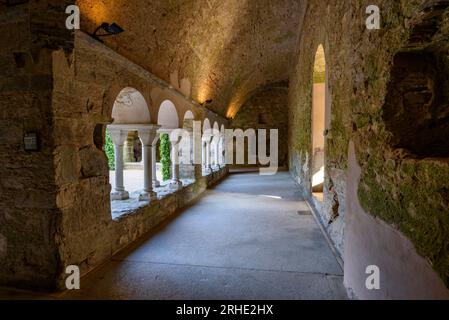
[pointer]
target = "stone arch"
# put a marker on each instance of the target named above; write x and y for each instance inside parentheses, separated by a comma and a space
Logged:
(188, 115)
(130, 107)
(216, 128)
(117, 86)
(168, 115)
(206, 125)
(320, 120)
(187, 141)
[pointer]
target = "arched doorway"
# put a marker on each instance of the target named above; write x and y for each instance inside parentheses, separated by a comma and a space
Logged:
(319, 123)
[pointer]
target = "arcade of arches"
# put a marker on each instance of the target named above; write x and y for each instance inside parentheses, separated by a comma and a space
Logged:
(92, 173)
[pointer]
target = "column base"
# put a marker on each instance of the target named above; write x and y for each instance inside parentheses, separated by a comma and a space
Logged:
(119, 195)
(175, 185)
(148, 196)
(198, 172)
(156, 184)
(207, 169)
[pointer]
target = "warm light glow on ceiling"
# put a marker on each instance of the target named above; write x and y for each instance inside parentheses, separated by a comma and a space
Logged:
(233, 107)
(211, 64)
(232, 111)
(203, 94)
(96, 11)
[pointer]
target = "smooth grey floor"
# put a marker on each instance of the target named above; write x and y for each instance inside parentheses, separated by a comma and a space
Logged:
(251, 237)
(244, 239)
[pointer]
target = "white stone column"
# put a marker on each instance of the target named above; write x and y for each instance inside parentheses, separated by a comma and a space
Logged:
(223, 149)
(198, 156)
(208, 153)
(148, 136)
(187, 162)
(203, 154)
(213, 148)
(175, 183)
(217, 152)
(156, 183)
(118, 137)
(220, 151)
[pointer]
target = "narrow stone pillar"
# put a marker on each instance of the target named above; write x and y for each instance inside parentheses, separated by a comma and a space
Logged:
(156, 183)
(197, 152)
(203, 154)
(175, 183)
(217, 153)
(222, 150)
(148, 136)
(118, 137)
(208, 153)
(213, 150)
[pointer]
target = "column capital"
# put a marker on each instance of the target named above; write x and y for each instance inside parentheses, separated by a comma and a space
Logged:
(118, 136)
(149, 134)
(207, 137)
(176, 135)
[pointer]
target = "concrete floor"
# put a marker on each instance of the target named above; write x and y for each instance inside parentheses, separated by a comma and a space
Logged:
(251, 237)
(242, 240)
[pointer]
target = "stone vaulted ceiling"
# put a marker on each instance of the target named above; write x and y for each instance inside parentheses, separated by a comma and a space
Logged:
(216, 51)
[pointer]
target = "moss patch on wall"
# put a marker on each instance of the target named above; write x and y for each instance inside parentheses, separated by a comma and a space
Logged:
(405, 189)
(310, 69)
(410, 192)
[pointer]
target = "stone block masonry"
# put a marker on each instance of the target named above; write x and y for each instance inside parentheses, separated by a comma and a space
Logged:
(400, 193)
(29, 214)
(55, 203)
(82, 102)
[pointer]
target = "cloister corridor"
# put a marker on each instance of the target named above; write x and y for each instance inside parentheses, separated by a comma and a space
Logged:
(136, 138)
(249, 237)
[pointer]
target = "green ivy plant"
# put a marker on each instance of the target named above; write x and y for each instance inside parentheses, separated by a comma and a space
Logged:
(109, 150)
(165, 156)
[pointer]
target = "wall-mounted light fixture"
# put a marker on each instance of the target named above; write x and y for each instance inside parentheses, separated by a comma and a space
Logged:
(110, 29)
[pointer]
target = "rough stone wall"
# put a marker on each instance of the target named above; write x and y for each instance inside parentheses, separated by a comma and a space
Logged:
(266, 109)
(28, 206)
(330, 31)
(398, 185)
(84, 91)
(405, 189)
(54, 203)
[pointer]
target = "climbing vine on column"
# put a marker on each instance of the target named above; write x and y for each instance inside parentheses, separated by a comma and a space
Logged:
(165, 156)
(109, 150)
